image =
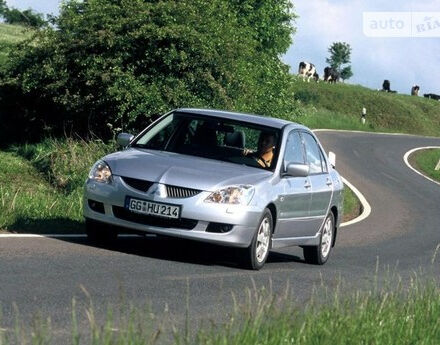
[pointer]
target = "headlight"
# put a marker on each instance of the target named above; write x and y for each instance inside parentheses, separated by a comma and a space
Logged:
(101, 172)
(233, 195)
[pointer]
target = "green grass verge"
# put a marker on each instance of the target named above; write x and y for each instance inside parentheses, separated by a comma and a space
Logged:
(425, 161)
(41, 185)
(352, 205)
(388, 317)
(339, 106)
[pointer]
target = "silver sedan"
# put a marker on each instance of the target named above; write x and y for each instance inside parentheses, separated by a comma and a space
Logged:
(226, 178)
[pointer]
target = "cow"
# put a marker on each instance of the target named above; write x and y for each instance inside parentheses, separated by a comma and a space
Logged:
(432, 96)
(386, 87)
(331, 75)
(307, 70)
(415, 90)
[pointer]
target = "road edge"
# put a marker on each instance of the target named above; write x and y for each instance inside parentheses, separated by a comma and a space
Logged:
(366, 208)
(408, 153)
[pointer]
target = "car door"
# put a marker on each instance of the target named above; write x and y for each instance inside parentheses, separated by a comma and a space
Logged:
(322, 188)
(294, 203)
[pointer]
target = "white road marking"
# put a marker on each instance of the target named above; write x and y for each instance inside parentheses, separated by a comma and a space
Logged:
(378, 133)
(366, 208)
(406, 156)
(62, 236)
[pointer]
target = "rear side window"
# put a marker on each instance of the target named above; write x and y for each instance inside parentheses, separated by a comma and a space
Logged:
(313, 154)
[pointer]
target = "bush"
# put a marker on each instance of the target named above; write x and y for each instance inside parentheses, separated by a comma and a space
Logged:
(65, 163)
(113, 62)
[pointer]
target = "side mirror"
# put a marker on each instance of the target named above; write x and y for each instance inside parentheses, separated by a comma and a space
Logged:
(332, 159)
(124, 139)
(297, 170)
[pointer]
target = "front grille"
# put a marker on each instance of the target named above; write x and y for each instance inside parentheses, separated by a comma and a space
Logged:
(141, 185)
(182, 223)
(172, 191)
(181, 192)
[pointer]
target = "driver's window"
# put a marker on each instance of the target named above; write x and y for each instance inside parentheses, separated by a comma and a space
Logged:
(294, 150)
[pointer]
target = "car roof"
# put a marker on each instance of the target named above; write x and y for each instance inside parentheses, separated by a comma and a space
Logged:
(256, 119)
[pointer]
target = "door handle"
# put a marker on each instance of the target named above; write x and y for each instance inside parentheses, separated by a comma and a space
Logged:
(329, 182)
(307, 185)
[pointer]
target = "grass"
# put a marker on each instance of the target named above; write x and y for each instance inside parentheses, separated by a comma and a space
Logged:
(339, 106)
(389, 316)
(426, 161)
(352, 205)
(41, 185)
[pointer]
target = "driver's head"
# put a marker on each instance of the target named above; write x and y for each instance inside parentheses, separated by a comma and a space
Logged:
(266, 142)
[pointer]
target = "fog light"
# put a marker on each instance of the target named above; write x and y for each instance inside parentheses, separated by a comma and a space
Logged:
(219, 227)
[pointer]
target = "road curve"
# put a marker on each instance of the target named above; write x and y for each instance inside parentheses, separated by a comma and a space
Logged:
(402, 232)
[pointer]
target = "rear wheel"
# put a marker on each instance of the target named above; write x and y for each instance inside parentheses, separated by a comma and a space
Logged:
(256, 254)
(318, 255)
(98, 232)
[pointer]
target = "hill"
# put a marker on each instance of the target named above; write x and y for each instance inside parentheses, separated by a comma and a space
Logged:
(339, 106)
(9, 36)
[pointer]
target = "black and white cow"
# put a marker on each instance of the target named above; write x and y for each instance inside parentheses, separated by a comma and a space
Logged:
(331, 75)
(432, 96)
(307, 70)
(415, 90)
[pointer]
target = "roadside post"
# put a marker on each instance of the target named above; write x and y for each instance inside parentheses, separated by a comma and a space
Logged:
(364, 114)
(437, 167)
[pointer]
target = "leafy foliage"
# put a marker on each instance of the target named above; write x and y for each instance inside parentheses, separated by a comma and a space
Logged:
(115, 63)
(346, 73)
(27, 17)
(340, 55)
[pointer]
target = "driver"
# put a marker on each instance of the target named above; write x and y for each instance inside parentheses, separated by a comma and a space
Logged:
(265, 150)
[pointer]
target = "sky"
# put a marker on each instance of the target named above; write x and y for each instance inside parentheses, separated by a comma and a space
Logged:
(403, 61)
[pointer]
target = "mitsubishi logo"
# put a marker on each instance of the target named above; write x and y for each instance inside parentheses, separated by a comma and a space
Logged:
(158, 189)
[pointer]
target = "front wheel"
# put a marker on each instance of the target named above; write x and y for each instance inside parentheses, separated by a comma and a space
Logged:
(318, 255)
(256, 254)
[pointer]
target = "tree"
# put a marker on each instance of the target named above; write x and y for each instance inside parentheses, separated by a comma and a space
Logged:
(27, 17)
(346, 73)
(113, 62)
(339, 56)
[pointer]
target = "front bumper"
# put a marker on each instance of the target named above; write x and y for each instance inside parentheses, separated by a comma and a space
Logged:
(196, 215)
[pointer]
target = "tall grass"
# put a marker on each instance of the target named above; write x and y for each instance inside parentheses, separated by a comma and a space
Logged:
(41, 185)
(65, 163)
(388, 316)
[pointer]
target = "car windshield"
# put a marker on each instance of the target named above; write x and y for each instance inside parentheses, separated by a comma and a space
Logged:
(215, 138)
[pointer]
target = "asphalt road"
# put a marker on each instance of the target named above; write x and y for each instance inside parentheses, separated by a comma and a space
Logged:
(41, 276)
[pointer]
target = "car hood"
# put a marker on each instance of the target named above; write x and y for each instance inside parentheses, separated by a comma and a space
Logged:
(182, 170)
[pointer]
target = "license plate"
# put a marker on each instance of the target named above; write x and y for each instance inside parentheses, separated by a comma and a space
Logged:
(152, 208)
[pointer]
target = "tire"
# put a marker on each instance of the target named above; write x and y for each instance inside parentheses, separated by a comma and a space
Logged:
(318, 255)
(255, 256)
(98, 232)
